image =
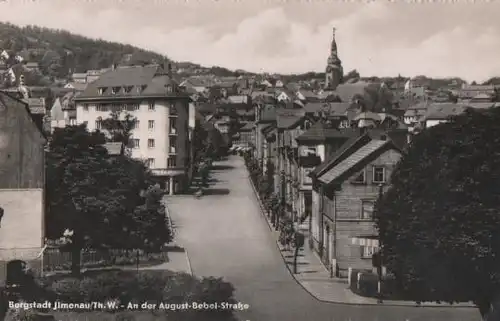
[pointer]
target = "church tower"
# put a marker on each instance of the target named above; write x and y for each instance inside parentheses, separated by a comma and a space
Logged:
(334, 71)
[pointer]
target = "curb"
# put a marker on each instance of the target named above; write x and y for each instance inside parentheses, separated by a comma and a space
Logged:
(169, 219)
(188, 263)
(402, 304)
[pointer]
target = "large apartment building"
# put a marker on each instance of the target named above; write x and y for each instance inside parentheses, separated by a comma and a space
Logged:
(161, 136)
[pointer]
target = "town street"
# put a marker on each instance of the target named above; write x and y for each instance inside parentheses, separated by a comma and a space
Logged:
(226, 236)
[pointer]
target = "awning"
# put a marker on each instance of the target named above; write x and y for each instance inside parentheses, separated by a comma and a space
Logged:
(370, 241)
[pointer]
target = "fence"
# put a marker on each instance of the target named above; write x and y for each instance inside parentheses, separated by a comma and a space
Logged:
(56, 260)
(41, 260)
(32, 256)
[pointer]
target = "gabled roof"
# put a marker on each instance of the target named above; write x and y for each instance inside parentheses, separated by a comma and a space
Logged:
(352, 160)
(349, 143)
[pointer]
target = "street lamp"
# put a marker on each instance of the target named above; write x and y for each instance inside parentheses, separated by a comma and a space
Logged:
(379, 255)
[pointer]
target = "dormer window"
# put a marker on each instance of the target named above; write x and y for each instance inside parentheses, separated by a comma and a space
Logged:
(101, 90)
(115, 90)
(141, 89)
(169, 88)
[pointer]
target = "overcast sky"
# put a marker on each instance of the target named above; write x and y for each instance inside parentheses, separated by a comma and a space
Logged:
(377, 38)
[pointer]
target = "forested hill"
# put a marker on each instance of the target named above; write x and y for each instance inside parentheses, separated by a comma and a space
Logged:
(60, 53)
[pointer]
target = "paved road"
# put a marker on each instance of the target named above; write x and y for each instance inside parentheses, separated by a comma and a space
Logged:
(226, 236)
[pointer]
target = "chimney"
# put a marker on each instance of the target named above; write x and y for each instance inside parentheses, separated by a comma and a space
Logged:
(169, 70)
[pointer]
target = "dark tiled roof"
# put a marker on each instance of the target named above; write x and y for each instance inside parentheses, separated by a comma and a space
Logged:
(321, 131)
(286, 121)
(355, 158)
(286, 118)
(268, 113)
(444, 111)
(131, 82)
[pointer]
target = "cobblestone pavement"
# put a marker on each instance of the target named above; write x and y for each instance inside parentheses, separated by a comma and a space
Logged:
(226, 236)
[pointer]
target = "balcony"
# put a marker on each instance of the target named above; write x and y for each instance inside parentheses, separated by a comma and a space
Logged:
(172, 150)
(172, 132)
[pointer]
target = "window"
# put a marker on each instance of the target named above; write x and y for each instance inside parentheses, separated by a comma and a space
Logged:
(98, 124)
(128, 89)
(150, 162)
(367, 209)
(173, 144)
(378, 174)
(151, 124)
(172, 124)
(171, 162)
(151, 143)
(173, 110)
(101, 90)
(115, 90)
(72, 121)
(360, 178)
(151, 106)
(135, 143)
(367, 252)
(169, 88)
(136, 124)
(86, 107)
(136, 107)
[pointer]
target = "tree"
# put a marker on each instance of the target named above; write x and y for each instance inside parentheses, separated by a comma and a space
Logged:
(98, 201)
(376, 99)
(119, 128)
(74, 161)
(352, 75)
(438, 223)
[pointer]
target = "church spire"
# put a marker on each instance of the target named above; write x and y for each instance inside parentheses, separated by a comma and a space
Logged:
(334, 71)
(333, 50)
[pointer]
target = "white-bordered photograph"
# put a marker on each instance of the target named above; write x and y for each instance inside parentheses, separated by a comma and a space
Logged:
(249, 160)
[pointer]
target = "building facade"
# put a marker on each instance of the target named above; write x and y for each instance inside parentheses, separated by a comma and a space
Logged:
(161, 109)
(22, 184)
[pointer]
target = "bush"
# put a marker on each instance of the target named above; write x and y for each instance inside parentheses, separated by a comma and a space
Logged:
(368, 284)
(152, 286)
(67, 289)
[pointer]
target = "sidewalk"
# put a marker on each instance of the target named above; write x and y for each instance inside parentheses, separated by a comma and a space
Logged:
(313, 276)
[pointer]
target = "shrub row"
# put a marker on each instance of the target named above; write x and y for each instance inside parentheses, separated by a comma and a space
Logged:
(51, 262)
(126, 287)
